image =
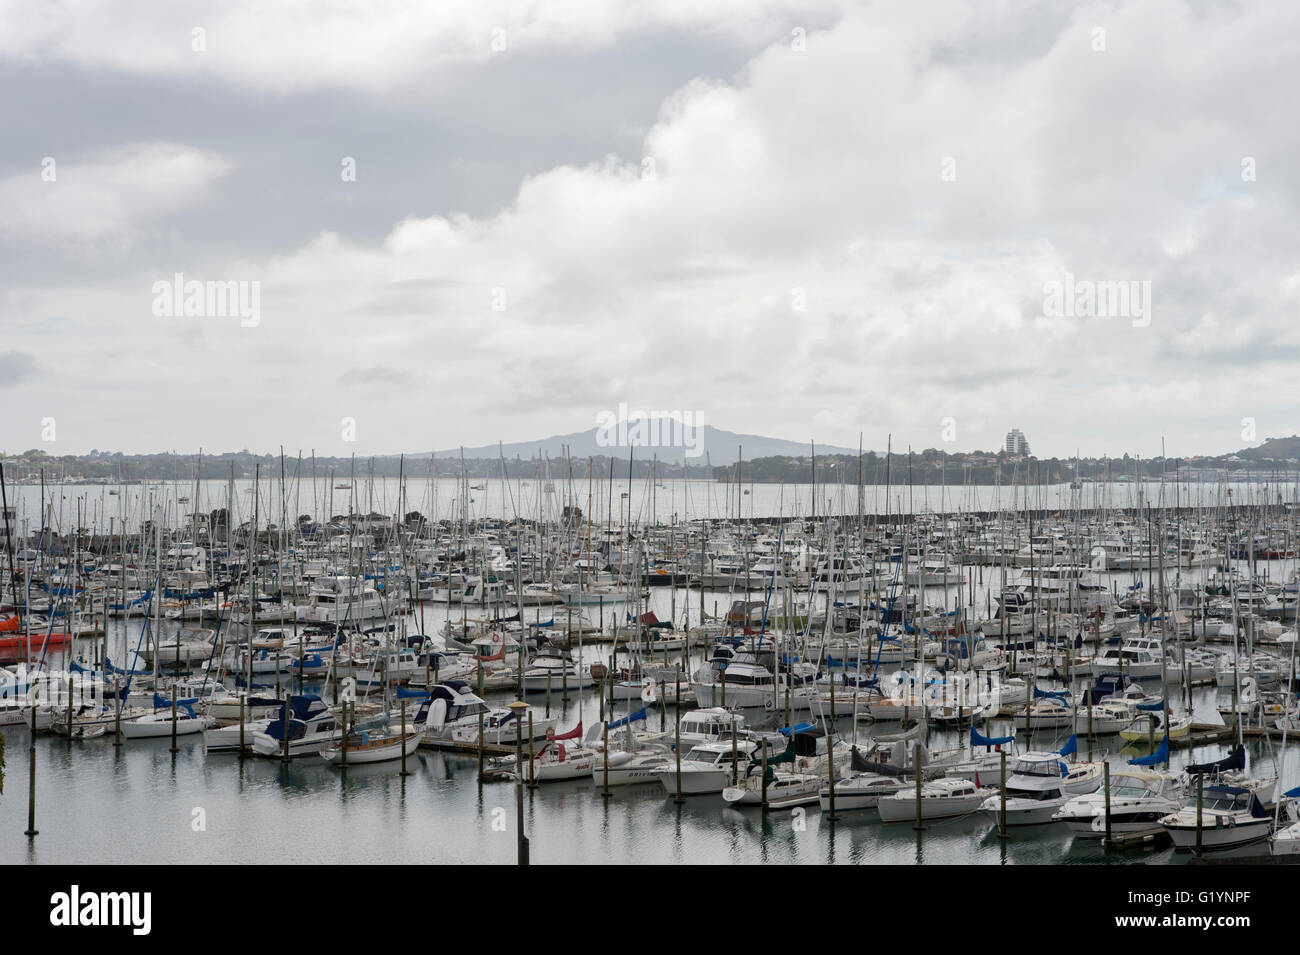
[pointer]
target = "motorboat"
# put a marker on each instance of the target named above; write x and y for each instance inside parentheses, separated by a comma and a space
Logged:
(1139, 799)
(553, 669)
(311, 726)
(709, 767)
(1229, 816)
(1041, 783)
(455, 714)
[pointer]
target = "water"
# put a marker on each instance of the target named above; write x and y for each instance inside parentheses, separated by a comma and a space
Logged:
(141, 804)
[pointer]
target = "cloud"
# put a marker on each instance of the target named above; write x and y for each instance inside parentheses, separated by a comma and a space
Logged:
(102, 205)
(799, 254)
(16, 368)
(296, 45)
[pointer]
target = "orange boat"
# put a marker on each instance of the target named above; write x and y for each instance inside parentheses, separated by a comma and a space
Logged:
(14, 645)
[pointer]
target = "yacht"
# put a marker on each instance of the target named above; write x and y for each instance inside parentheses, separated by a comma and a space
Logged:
(841, 575)
(1139, 799)
(709, 767)
(341, 600)
(940, 799)
(455, 714)
(560, 758)
(553, 669)
(311, 726)
(1230, 816)
(935, 570)
(360, 747)
(1039, 785)
(1138, 658)
(746, 679)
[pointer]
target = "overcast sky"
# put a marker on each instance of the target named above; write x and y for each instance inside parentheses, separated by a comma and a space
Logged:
(803, 220)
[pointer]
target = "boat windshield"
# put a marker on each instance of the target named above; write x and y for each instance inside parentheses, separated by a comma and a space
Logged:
(698, 756)
(1036, 795)
(1132, 792)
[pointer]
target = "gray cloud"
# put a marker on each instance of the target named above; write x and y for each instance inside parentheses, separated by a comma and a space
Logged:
(775, 171)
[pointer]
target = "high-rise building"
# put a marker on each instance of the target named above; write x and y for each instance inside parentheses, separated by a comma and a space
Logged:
(1016, 443)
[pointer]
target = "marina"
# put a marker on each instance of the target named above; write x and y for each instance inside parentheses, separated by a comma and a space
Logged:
(409, 706)
(857, 438)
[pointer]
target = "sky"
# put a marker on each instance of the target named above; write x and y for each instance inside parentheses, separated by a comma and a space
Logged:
(457, 223)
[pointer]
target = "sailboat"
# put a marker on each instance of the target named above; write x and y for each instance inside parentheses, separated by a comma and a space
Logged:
(373, 746)
(555, 761)
(158, 724)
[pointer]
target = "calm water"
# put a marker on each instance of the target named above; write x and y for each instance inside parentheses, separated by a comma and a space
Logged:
(139, 804)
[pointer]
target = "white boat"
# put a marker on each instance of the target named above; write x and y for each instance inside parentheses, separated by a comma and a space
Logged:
(1230, 816)
(561, 758)
(935, 570)
(632, 769)
(265, 661)
(1041, 783)
(862, 791)
(840, 575)
(1286, 840)
(186, 645)
(227, 707)
(371, 746)
(783, 790)
(343, 600)
(1139, 799)
(455, 714)
(553, 669)
(1048, 713)
(311, 726)
(709, 767)
(1138, 658)
(158, 724)
(940, 799)
(747, 681)
(226, 739)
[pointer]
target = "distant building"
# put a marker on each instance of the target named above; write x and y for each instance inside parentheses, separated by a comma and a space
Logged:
(1016, 443)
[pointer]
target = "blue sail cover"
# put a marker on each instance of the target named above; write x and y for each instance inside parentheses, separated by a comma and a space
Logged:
(1161, 755)
(404, 694)
(1234, 760)
(1061, 695)
(1152, 707)
(636, 717)
(1071, 746)
(301, 706)
(163, 702)
(978, 739)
